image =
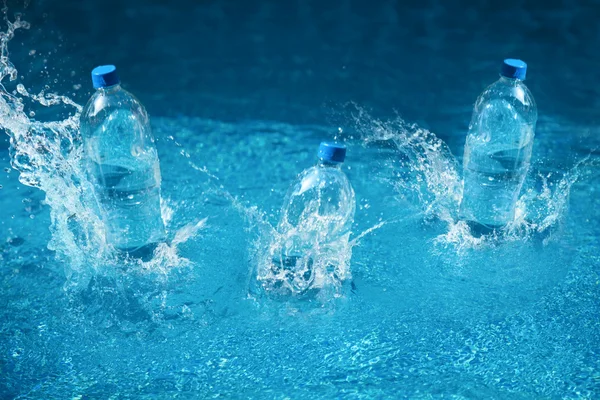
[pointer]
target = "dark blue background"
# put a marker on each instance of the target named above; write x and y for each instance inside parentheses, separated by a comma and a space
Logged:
(300, 61)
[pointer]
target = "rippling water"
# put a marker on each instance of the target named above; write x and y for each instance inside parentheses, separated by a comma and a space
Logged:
(431, 311)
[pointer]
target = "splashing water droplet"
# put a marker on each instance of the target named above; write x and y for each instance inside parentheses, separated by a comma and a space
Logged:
(21, 90)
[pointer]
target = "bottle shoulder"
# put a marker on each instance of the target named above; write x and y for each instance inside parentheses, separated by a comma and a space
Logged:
(508, 93)
(321, 198)
(104, 102)
(320, 178)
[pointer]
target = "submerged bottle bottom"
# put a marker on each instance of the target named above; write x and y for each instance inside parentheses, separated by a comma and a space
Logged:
(478, 229)
(144, 253)
(489, 198)
(297, 272)
(133, 219)
(304, 275)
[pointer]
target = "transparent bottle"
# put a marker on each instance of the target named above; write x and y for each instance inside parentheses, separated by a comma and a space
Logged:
(316, 219)
(123, 165)
(498, 150)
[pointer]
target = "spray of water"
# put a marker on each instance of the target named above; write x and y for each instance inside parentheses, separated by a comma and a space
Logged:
(426, 173)
(48, 156)
(323, 274)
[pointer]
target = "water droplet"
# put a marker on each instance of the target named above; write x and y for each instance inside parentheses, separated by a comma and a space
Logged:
(130, 197)
(32, 114)
(7, 170)
(77, 86)
(32, 216)
(137, 151)
(31, 52)
(21, 89)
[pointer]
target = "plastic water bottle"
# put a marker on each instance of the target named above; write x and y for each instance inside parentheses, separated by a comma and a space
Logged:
(498, 150)
(123, 166)
(316, 219)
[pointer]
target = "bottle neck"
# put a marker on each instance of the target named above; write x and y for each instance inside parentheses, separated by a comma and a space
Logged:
(510, 81)
(109, 89)
(329, 164)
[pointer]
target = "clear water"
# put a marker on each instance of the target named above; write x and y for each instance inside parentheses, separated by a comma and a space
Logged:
(431, 312)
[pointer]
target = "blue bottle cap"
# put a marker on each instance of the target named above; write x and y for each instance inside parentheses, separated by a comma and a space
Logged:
(332, 152)
(513, 68)
(104, 76)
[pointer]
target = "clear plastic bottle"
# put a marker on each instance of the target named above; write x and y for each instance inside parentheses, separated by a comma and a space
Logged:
(123, 165)
(498, 150)
(316, 220)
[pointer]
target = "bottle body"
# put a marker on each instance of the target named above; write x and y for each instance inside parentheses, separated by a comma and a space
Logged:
(313, 247)
(122, 164)
(497, 153)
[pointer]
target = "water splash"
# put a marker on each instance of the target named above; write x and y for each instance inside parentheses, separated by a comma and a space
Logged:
(426, 174)
(48, 156)
(424, 171)
(288, 284)
(313, 279)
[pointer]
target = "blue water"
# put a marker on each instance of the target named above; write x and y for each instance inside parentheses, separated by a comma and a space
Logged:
(240, 96)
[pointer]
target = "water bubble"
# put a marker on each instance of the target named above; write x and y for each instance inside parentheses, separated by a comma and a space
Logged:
(77, 86)
(7, 170)
(31, 216)
(21, 90)
(1, 186)
(31, 114)
(32, 52)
